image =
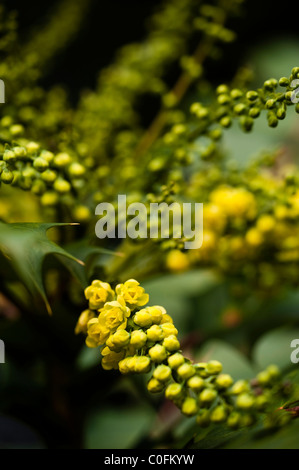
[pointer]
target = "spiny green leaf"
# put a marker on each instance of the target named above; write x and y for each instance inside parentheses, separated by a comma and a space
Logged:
(25, 247)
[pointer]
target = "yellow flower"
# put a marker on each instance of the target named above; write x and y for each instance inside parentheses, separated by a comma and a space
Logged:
(156, 312)
(214, 217)
(234, 202)
(143, 318)
(138, 339)
(98, 294)
(177, 261)
(169, 329)
(254, 237)
(84, 318)
(113, 316)
(97, 335)
(118, 340)
(132, 293)
(155, 333)
(111, 359)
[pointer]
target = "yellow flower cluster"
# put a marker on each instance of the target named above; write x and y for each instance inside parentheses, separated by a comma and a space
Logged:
(106, 320)
(135, 338)
(250, 228)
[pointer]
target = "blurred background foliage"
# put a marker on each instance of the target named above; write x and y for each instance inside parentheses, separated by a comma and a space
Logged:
(53, 392)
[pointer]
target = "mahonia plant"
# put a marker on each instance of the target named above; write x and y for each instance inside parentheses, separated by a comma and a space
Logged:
(73, 159)
(138, 339)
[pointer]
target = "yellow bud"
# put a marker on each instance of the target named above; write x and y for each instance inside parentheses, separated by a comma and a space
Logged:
(111, 345)
(166, 319)
(155, 333)
(20, 152)
(49, 198)
(162, 373)
(138, 339)
(62, 159)
(244, 401)
(9, 156)
(207, 396)
(6, 121)
(156, 313)
(171, 343)
(173, 391)
(40, 164)
(131, 363)
(91, 342)
(185, 371)
(143, 318)
(196, 383)
(274, 371)
(254, 237)
(81, 213)
(48, 156)
(189, 406)
(218, 415)
(233, 421)
(142, 364)
(76, 170)
(239, 387)
(84, 318)
(177, 261)
(263, 377)
(61, 186)
(157, 353)
(123, 366)
(266, 223)
(169, 329)
(176, 360)
(214, 367)
(281, 212)
(155, 386)
(120, 338)
(16, 129)
(49, 176)
(224, 381)
(32, 147)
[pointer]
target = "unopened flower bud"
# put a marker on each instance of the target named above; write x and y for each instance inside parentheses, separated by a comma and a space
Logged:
(224, 381)
(176, 360)
(189, 406)
(185, 371)
(214, 367)
(138, 339)
(121, 338)
(143, 318)
(169, 329)
(61, 186)
(244, 401)
(239, 387)
(207, 396)
(143, 364)
(62, 159)
(196, 383)
(155, 333)
(173, 391)
(218, 414)
(155, 386)
(162, 373)
(171, 343)
(40, 164)
(157, 353)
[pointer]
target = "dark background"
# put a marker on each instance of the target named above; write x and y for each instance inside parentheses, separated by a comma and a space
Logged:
(110, 24)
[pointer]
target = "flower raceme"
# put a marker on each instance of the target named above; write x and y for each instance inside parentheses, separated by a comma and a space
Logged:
(135, 338)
